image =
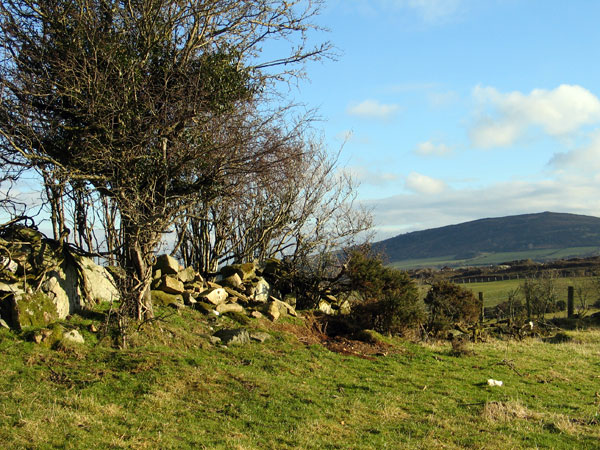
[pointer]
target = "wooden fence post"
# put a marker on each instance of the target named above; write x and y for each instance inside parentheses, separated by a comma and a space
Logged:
(570, 301)
(482, 312)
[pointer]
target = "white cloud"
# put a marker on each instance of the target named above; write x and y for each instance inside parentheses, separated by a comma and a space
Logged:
(502, 119)
(442, 99)
(584, 159)
(423, 184)
(429, 148)
(489, 133)
(372, 177)
(373, 109)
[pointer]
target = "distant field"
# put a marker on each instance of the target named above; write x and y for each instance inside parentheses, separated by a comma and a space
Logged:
(487, 259)
(497, 291)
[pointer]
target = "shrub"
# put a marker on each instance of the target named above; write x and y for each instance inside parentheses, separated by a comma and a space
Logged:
(450, 305)
(391, 301)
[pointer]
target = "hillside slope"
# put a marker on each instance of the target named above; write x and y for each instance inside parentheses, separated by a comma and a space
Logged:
(528, 232)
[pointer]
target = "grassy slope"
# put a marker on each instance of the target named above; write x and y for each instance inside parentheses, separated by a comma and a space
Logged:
(174, 390)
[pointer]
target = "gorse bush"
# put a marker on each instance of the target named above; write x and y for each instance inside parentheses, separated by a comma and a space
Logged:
(450, 305)
(390, 298)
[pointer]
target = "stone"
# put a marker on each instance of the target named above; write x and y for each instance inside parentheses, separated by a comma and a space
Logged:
(245, 271)
(259, 291)
(204, 308)
(215, 340)
(257, 314)
(331, 299)
(78, 283)
(32, 310)
(99, 284)
(259, 336)
(171, 285)
(272, 266)
(176, 305)
(188, 299)
(161, 298)
(345, 308)
(236, 336)
(8, 264)
(3, 324)
(214, 295)
(187, 275)
(325, 307)
(289, 308)
(167, 265)
(276, 308)
(157, 274)
(273, 311)
(236, 295)
(15, 288)
(73, 336)
(223, 308)
(248, 271)
(233, 281)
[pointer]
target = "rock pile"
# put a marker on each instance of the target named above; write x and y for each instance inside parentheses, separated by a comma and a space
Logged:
(238, 289)
(42, 281)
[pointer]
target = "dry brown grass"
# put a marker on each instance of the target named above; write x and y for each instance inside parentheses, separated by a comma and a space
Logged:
(507, 411)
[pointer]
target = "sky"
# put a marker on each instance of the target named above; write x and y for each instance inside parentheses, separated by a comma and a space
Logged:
(456, 110)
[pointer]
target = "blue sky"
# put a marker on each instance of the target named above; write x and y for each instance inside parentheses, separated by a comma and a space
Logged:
(454, 110)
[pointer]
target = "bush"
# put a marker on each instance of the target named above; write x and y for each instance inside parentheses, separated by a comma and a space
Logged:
(450, 305)
(391, 301)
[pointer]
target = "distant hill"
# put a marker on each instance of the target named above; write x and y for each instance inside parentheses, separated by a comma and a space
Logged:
(528, 234)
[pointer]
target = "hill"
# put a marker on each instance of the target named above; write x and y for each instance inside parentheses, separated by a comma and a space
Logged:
(541, 236)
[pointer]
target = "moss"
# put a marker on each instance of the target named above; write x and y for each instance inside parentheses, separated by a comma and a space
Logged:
(240, 318)
(161, 298)
(35, 310)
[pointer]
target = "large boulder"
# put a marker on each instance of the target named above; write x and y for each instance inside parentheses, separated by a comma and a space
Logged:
(170, 285)
(215, 296)
(187, 275)
(245, 271)
(99, 284)
(259, 291)
(32, 310)
(43, 266)
(223, 308)
(167, 265)
(233, 337)
(276, 308)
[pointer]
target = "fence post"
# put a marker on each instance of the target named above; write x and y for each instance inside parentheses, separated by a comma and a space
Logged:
(570, 302)
(482, 312)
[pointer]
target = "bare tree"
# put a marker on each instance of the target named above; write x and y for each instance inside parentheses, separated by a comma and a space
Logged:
(302, 209)
(146, 102)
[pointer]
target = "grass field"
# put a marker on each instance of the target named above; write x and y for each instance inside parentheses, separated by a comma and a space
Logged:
(176, 390)
(495, 292)
(487, 259)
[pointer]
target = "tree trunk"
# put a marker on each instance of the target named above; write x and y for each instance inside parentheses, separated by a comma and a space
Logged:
(137, 254)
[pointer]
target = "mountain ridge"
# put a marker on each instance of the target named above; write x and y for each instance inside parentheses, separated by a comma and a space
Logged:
(517, 233)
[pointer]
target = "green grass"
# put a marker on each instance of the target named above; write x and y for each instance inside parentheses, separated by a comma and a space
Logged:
(496, 292)
(175, 390)
(487, 259)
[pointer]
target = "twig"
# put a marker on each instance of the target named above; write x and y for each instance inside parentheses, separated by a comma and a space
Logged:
(511, 364)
